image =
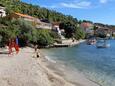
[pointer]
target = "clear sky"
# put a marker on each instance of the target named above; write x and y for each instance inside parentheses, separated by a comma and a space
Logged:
(102, 11)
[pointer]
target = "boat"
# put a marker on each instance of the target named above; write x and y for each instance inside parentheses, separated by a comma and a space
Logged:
(91, 41)
(102, 44)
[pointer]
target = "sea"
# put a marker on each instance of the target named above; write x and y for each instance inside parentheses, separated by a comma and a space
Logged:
(97, 64)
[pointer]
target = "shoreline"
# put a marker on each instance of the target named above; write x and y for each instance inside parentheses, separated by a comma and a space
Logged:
(57, 69)
(52, 72)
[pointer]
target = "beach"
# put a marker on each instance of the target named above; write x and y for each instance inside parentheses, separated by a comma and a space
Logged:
(25, 70)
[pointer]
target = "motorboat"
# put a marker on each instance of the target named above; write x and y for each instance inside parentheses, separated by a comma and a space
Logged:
(91, 41)
(102, 44)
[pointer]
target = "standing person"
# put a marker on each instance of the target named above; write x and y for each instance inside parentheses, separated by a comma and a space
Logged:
(35, 48)
(17, 41)
(17, 48)
(16, 45)
(36, 51)
(10, 46)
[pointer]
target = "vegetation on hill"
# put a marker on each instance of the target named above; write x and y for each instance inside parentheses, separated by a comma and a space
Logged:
(36, 11)
(27, 33)
(72, 30)
(10, 29)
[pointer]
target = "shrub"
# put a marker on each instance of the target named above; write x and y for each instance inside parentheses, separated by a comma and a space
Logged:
(79, 33)
(25, 32)
(54, 35)
(44, 37)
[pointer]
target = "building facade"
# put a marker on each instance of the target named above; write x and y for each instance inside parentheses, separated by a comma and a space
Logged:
(55, 27)
(35, 21)
(87, 27)
(2, 11)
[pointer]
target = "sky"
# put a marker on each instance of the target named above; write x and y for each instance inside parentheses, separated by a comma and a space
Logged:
(101, 11)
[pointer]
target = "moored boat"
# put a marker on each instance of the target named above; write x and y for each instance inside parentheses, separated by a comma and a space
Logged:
(102, 44)
(91, 41)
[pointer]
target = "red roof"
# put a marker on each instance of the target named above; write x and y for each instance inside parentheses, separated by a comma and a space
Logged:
(56, 23)
(86, 25)
(24, 15)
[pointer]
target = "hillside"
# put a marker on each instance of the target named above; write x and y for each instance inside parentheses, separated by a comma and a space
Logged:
(36, 11)
(13, 28)
(41, 13)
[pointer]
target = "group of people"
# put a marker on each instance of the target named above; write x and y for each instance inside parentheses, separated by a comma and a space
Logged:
(13, 44)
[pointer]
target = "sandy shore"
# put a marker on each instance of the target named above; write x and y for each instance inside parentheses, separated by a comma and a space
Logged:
(25, 70)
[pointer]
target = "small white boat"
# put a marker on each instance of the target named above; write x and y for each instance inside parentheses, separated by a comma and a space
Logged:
(102, 44)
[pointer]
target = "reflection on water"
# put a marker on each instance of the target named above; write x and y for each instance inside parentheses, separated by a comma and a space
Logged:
(96, 64)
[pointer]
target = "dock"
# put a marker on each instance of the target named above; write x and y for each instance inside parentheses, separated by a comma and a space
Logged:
(68, 44)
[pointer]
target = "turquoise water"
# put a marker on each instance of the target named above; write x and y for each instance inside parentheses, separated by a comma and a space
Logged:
(96, 64)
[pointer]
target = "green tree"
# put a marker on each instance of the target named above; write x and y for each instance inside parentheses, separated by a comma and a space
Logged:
(69, 29)
(79, 34)
(44, 38)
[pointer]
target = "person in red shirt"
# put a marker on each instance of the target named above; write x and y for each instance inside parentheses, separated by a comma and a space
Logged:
(10, 47)
(12, 44)
(17, 48)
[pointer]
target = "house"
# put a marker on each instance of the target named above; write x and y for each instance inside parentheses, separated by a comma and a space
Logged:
(44, 25)
(103, 31)
(35, 21)
(55, 27)
(87, 27)
(19, 15)
(60, 32)
(113, 31)
(2, 11)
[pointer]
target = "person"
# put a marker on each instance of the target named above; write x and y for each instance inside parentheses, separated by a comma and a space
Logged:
(16, 45)
(17, 42)
(73, 40)
(12, 44)
(37, 54)
(17, 48)
(10, 47)
(35, 48)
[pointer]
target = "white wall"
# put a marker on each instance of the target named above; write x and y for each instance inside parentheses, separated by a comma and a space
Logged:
(44, 26)
(3, 11)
